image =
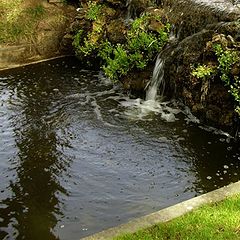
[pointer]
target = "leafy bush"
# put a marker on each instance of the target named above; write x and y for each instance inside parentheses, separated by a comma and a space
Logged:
(118, 59)
(227, 59)
(140, 48)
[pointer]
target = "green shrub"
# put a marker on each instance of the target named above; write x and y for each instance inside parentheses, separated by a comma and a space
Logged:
(227, 58)
(117, 60)
(140, 48)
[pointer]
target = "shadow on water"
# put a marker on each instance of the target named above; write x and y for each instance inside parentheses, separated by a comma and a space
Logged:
(78, 156)
(32, 206)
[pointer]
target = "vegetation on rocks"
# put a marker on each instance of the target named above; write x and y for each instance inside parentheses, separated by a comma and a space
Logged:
(138, 48)
(87, 43)
(138, 51)
(225, 67)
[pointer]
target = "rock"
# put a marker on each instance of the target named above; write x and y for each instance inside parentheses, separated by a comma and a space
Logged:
(116, 31)
(155, 25)
(136, 81)
(191, 16)
(214, 105)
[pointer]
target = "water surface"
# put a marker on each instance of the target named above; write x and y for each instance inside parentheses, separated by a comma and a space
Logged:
(78, 156)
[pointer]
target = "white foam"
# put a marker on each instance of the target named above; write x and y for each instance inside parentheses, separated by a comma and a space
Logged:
(106, 81)
(216, 131)
(146, 110)
(157, 81)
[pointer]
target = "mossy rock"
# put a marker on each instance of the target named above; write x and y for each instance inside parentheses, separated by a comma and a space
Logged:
(208, 98)
(117, 31)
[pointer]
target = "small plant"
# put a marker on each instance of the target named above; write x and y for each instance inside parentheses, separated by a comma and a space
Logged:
(118, 65)
(227, 58)
(94, 11)
(203, 71)
(86, 46)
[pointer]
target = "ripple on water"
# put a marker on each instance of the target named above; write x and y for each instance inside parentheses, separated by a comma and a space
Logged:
(78, 156)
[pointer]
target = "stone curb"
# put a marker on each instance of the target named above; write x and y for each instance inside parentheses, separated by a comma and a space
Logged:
(12, 66)
(167, 214)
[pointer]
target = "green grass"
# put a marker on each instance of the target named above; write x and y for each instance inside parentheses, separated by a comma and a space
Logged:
(18, 20)
(216, 221)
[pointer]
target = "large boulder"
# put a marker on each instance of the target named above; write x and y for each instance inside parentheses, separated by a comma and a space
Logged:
(209, 99)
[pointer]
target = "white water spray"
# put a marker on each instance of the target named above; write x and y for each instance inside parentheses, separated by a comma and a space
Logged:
(157, 82)
(130, 12)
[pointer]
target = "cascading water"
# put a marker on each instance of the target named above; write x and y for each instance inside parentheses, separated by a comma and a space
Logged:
(157, 81)
(130, 11)
(141, 109)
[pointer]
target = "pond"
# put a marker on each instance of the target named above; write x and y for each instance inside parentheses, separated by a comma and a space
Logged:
(77, 155)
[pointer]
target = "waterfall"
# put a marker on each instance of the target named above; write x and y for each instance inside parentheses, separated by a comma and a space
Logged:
(157, 81)
(130, 11)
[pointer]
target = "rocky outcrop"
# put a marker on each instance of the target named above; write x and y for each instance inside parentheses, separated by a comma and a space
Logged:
(191, 16)
(209, 99)
(197, 22)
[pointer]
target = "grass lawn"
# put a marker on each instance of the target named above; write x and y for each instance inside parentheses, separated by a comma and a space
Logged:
(216, 221)
(18, 19)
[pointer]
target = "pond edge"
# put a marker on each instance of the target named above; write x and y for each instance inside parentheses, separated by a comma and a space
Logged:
(18, 65)
(168, 213)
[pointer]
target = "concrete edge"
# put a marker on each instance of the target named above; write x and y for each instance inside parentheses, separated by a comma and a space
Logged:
(12, 66)
(167, 214)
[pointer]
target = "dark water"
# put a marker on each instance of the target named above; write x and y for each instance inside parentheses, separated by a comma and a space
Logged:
(74, 161)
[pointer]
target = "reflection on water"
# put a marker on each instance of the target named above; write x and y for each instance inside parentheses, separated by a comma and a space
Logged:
(78, 156)
(31, 205)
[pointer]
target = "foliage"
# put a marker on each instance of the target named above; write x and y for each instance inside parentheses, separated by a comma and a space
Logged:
(118, 59)
(94, 10)
(226, 60)
(88, 45)
(140, 48)
(203, 71)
